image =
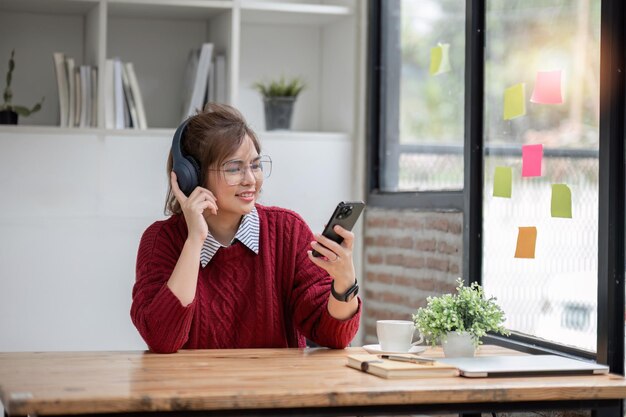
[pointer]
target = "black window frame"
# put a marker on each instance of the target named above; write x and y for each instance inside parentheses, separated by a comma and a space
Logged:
(611, 223)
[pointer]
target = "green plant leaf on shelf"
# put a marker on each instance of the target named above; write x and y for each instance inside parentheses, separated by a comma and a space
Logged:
(281, 87)
(7, 95)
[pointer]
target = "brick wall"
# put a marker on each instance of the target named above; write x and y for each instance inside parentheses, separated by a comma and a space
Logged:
(409, 255)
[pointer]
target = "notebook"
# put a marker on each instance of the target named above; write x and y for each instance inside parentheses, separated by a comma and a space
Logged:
(386, 368)
(523, 365)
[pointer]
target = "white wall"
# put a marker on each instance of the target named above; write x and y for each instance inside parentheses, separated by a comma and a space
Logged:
(73, 210)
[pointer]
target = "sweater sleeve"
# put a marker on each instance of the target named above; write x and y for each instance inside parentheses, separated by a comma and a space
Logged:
(311, 289)
(158, 315)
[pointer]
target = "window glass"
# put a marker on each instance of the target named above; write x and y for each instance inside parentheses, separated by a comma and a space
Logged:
(542, 74)
(422, 147)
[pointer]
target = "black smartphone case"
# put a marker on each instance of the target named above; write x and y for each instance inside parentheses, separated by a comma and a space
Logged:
(345, 215)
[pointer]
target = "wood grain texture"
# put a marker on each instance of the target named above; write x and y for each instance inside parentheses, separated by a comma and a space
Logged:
(87, 382)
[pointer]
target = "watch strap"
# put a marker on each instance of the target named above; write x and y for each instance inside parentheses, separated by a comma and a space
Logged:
(348, 295)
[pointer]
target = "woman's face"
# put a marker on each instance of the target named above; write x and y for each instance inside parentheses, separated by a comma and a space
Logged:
(234, 183)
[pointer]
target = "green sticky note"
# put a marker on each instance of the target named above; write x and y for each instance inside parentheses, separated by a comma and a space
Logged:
(502, 182)
(514, 101)
(561, 204)
(440, 59)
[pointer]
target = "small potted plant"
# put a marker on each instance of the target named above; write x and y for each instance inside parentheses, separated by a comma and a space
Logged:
(460, 320)
(8, 111)
(279, 97)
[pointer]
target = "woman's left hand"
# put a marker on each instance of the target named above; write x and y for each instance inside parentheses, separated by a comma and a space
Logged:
(336, 258)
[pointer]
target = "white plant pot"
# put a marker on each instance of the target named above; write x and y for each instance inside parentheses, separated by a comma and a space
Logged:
(458, 344)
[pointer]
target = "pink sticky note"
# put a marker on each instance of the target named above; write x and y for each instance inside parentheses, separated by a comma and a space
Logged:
(532, 155)
(547, 88)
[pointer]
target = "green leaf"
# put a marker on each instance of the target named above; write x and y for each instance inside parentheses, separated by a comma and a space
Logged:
(280, 87)
(24, 111)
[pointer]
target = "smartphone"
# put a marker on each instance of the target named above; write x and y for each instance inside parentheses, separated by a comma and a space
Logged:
(345, 215)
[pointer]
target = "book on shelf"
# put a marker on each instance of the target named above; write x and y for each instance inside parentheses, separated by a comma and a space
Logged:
(94, 97)
(210, 85)
(118, 94)
(190, 73)
(77, 95)
(136, 94)
(123, 102)
(221, 82)
(85, 97)
(195, 98)
(109, 94)
(71, 90)
(78, 92)
(133, 120)
(386, 368)
(62, 76)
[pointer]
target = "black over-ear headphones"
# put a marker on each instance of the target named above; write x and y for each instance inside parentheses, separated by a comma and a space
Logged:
(187, 169)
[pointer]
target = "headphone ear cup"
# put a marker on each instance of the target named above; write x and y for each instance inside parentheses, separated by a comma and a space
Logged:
(187, 169)
(187, 174)
(195, 168)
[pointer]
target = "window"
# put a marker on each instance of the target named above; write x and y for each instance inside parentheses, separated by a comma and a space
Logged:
(541, 118)
(421, 145)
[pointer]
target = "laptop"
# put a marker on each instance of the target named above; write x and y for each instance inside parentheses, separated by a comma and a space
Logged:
(523, 365)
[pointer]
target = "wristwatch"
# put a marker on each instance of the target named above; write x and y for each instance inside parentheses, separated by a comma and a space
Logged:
(346, 296)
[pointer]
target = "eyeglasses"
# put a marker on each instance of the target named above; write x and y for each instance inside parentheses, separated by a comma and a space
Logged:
(235, 171)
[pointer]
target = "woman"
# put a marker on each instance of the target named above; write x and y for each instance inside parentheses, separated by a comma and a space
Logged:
(226, 272)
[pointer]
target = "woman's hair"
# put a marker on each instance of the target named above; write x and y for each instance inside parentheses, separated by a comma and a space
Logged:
(210, 138)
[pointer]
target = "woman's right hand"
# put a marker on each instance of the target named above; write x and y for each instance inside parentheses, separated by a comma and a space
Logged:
(193, 208)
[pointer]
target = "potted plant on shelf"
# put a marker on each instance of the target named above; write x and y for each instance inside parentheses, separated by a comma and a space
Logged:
(8, 111)
(279, 97)
(460, 320)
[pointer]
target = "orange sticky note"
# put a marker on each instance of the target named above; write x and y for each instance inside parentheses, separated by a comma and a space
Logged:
(526, 240)
(547, 88)
(532, 155)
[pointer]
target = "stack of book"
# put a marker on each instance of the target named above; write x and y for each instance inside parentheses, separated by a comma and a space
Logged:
(402, 366)
(78, 92)
(205, 80)
(123, 102)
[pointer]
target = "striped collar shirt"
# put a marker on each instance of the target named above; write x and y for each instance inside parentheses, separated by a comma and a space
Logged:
(248, 234)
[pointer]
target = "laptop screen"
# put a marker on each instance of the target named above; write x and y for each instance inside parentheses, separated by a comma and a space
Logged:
(523, 365)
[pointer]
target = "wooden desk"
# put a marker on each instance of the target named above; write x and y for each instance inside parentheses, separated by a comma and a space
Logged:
(270, 382)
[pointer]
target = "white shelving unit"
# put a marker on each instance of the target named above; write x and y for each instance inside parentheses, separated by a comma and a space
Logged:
(77, 200)
(260, 39)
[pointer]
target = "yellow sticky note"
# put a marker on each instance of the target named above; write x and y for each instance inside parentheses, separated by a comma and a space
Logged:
(502, 182)
(440, 59)
(515, 101)
(561, 204)
(526, 240)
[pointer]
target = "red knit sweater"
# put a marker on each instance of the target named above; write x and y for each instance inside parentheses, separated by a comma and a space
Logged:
(243, 300)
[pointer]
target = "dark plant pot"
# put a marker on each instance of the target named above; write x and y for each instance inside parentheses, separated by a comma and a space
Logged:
(8, 117)
(278, 111)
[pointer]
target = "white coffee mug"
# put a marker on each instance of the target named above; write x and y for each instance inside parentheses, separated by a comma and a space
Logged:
(396, 335)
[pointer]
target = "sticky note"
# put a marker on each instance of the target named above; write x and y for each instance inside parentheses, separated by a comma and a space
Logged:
(514, 101)
(526, 240)
(440, 59)
(547, 88)
(561, 203)
(532, 155)
(502, 182)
